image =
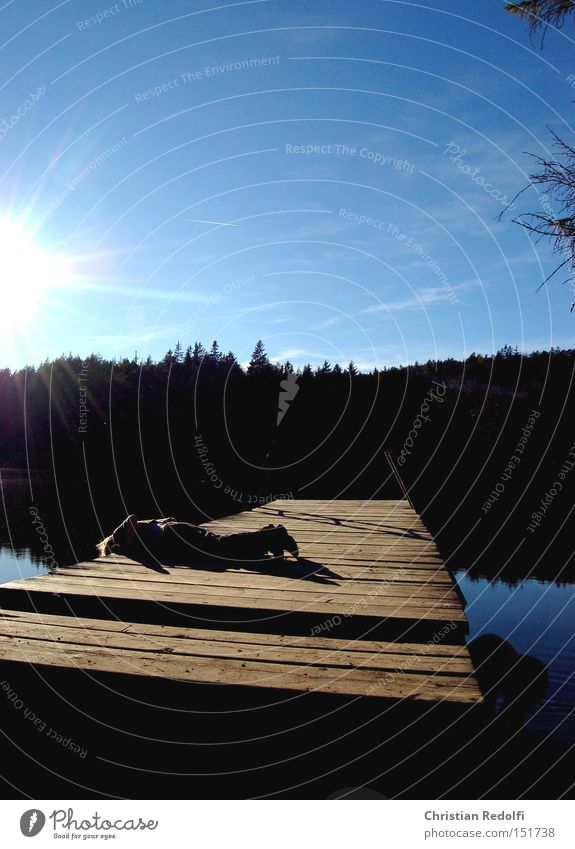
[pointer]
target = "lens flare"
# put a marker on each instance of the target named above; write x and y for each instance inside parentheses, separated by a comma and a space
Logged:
(28, 271)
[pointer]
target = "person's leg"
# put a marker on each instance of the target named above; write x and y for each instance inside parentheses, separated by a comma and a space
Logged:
(187, 541)
(245, 545)
(182, 540)
(272, 539)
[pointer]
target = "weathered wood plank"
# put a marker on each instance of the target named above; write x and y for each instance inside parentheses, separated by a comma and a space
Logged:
(329, 604)
(12, 621)
(368, 572)
(258, 580)
(211, 670)
(332, 555)
(209, 644)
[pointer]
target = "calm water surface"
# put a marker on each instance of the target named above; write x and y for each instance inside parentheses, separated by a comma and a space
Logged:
(537, 618)
(19, 564)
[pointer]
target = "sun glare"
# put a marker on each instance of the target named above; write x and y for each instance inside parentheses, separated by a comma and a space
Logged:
(28, 271)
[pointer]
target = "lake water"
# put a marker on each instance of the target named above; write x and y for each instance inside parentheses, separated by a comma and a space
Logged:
(535, 616)
(19, 564)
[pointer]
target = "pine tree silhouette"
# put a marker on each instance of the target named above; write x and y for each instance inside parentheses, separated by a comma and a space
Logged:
(259, 362)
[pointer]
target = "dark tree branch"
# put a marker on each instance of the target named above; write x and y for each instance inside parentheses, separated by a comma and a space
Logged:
(556, 177)
(540, 14)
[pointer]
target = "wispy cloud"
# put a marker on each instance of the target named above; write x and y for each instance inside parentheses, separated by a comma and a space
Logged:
(140, 292)
(137, 337)
(328, 322)
(424, 297)
(296, 354)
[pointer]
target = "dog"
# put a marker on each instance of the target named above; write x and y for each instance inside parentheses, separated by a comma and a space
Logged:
(168, 540)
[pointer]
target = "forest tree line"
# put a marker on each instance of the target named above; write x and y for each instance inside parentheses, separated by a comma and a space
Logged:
(195, 434)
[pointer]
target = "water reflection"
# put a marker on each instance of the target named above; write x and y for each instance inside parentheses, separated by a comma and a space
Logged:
(536, 618)
(512, 683)
(19, 564)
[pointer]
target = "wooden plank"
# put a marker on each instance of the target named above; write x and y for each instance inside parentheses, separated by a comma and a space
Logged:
(15, 619)
(209, 670)
(258, 580)
(208, 644)
(331, 525)
(342, 538)
(393, 561)
(382, 608)
(368, 549)
(319, 505)
(374, 592)
(368, 572)
(393, 523)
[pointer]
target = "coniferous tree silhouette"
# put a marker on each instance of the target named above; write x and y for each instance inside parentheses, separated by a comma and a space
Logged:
(259, 362)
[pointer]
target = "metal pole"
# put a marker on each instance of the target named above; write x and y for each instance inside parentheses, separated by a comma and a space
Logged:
(402, 486)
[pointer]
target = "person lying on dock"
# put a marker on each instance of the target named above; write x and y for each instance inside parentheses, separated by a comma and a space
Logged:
(169, 541)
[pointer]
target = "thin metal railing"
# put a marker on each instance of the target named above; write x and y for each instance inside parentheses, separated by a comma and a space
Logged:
(398, 478)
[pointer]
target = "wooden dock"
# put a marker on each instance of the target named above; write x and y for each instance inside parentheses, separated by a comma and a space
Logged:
(369, 610)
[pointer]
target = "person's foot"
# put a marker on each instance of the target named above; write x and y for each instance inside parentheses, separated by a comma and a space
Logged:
(280, 541)
(291, 546)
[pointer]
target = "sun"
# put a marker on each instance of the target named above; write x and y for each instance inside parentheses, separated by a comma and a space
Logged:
(27, 273)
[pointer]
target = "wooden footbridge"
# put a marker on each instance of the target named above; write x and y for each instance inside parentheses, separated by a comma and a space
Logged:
(369, 610)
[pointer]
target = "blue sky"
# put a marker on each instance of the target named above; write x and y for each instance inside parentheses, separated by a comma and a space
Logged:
(325, 176)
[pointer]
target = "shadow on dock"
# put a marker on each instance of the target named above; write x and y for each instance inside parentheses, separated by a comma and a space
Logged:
(143, 738)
